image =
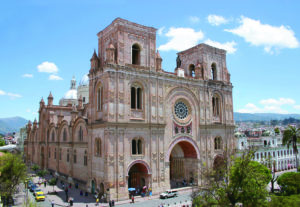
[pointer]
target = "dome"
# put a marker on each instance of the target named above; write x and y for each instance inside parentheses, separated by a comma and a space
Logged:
(84, 80)
(71, 94)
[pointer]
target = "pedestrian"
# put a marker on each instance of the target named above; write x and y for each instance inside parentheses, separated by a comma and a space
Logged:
(132, 199)
(52, 203)
(45, 183)
(70, 185)
(97, 201)
(63, 186)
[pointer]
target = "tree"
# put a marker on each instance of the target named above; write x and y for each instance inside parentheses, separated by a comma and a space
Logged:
(13, 172)
(277, 130)
(52, 182)
(241, 180)
(2, 142)
(42, 173)
(291, 136)
(289, 183)
(35, 168)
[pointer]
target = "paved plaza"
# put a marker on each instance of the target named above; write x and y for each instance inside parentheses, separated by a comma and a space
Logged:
(183, 199)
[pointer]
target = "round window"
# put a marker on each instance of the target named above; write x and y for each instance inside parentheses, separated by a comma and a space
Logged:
(181, 110)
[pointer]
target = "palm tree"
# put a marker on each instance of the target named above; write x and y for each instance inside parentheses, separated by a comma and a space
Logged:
(291, 136)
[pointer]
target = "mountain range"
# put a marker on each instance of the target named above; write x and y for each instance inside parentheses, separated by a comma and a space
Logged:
(13, 124)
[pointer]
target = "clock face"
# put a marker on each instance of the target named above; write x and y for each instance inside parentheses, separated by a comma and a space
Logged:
(181, 110)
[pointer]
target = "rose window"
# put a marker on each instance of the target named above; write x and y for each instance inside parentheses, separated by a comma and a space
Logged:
(181, 110)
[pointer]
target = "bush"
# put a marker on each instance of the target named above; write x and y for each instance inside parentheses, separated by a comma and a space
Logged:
(2, 142)
(283, 201)
(289, 183)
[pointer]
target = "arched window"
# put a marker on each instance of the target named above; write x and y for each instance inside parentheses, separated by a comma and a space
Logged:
(99, 98)
(53, 136)
(74, 157)
(49, 152)
(133, 143)
(80, 133)
(216, 105)
(55, 153)
(98, 147)
(85, 158)
(218, 143)
(68, 155)
(136, 97)
(65, 134)
(136, 54)
(214, 71)
(137, 146)
(192, 70)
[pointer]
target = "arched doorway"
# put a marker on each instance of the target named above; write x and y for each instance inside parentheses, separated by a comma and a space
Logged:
(138, 175)
(183, 165)
(219, 166)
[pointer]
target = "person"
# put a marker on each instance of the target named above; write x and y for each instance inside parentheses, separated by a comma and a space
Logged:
(45, 183)
(132, 199)
(113, 203)
(109, 203)
(52, 203)
(97, 201)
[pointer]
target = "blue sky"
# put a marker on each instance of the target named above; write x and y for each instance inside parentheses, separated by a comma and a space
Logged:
(44, 43)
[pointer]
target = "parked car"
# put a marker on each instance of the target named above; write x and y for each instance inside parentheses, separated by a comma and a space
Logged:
(39, 196)
(32, 187)
(169, 194)
(29, 184)
(36, 190)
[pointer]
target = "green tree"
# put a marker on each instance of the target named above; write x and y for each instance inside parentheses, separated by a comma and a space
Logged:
(241, 180)
(2, 142)
(42, 173)
(52, 182)
(35, 168)
(283, 201)
(291, 136)
(277, 130)
(289, 183)
(13, 172)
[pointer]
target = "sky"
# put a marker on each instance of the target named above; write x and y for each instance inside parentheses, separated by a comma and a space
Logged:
(44, 43)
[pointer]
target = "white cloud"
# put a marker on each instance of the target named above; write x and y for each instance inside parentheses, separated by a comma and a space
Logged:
(27, 75)
(228, 46)
(47, 67)
(160, 30)
(55, 77)
(181, 39)
(280, 101)
(297, 107)
(10, 95)
(270, 37)
(2, 93)
(194, 19)
(32, 112)
(252, 108)
(216, 20)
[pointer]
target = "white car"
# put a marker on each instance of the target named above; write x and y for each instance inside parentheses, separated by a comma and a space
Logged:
(168, 194)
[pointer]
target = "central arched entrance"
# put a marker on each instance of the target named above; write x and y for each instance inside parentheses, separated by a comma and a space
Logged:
(138, 175)
(183, 160)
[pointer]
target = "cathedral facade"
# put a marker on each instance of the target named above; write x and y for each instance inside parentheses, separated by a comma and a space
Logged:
(142, 126)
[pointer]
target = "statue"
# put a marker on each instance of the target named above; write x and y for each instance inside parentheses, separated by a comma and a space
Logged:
(178, 62)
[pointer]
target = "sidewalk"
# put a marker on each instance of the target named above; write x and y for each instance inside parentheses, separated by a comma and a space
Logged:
(82, 201)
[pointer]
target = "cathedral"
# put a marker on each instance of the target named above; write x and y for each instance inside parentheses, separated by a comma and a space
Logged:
(138, 124)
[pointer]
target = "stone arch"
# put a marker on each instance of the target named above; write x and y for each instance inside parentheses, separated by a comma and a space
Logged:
(191, 70)
(52, 130)
(136, 54)
(139, 162)
(63, 125)
(182, 139)
(214, 71)
(79, 122)
(218, 161)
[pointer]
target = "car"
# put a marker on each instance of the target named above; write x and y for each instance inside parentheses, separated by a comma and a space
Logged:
(36, 190)
(39, 196)
(32, 187)
(168, 194)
